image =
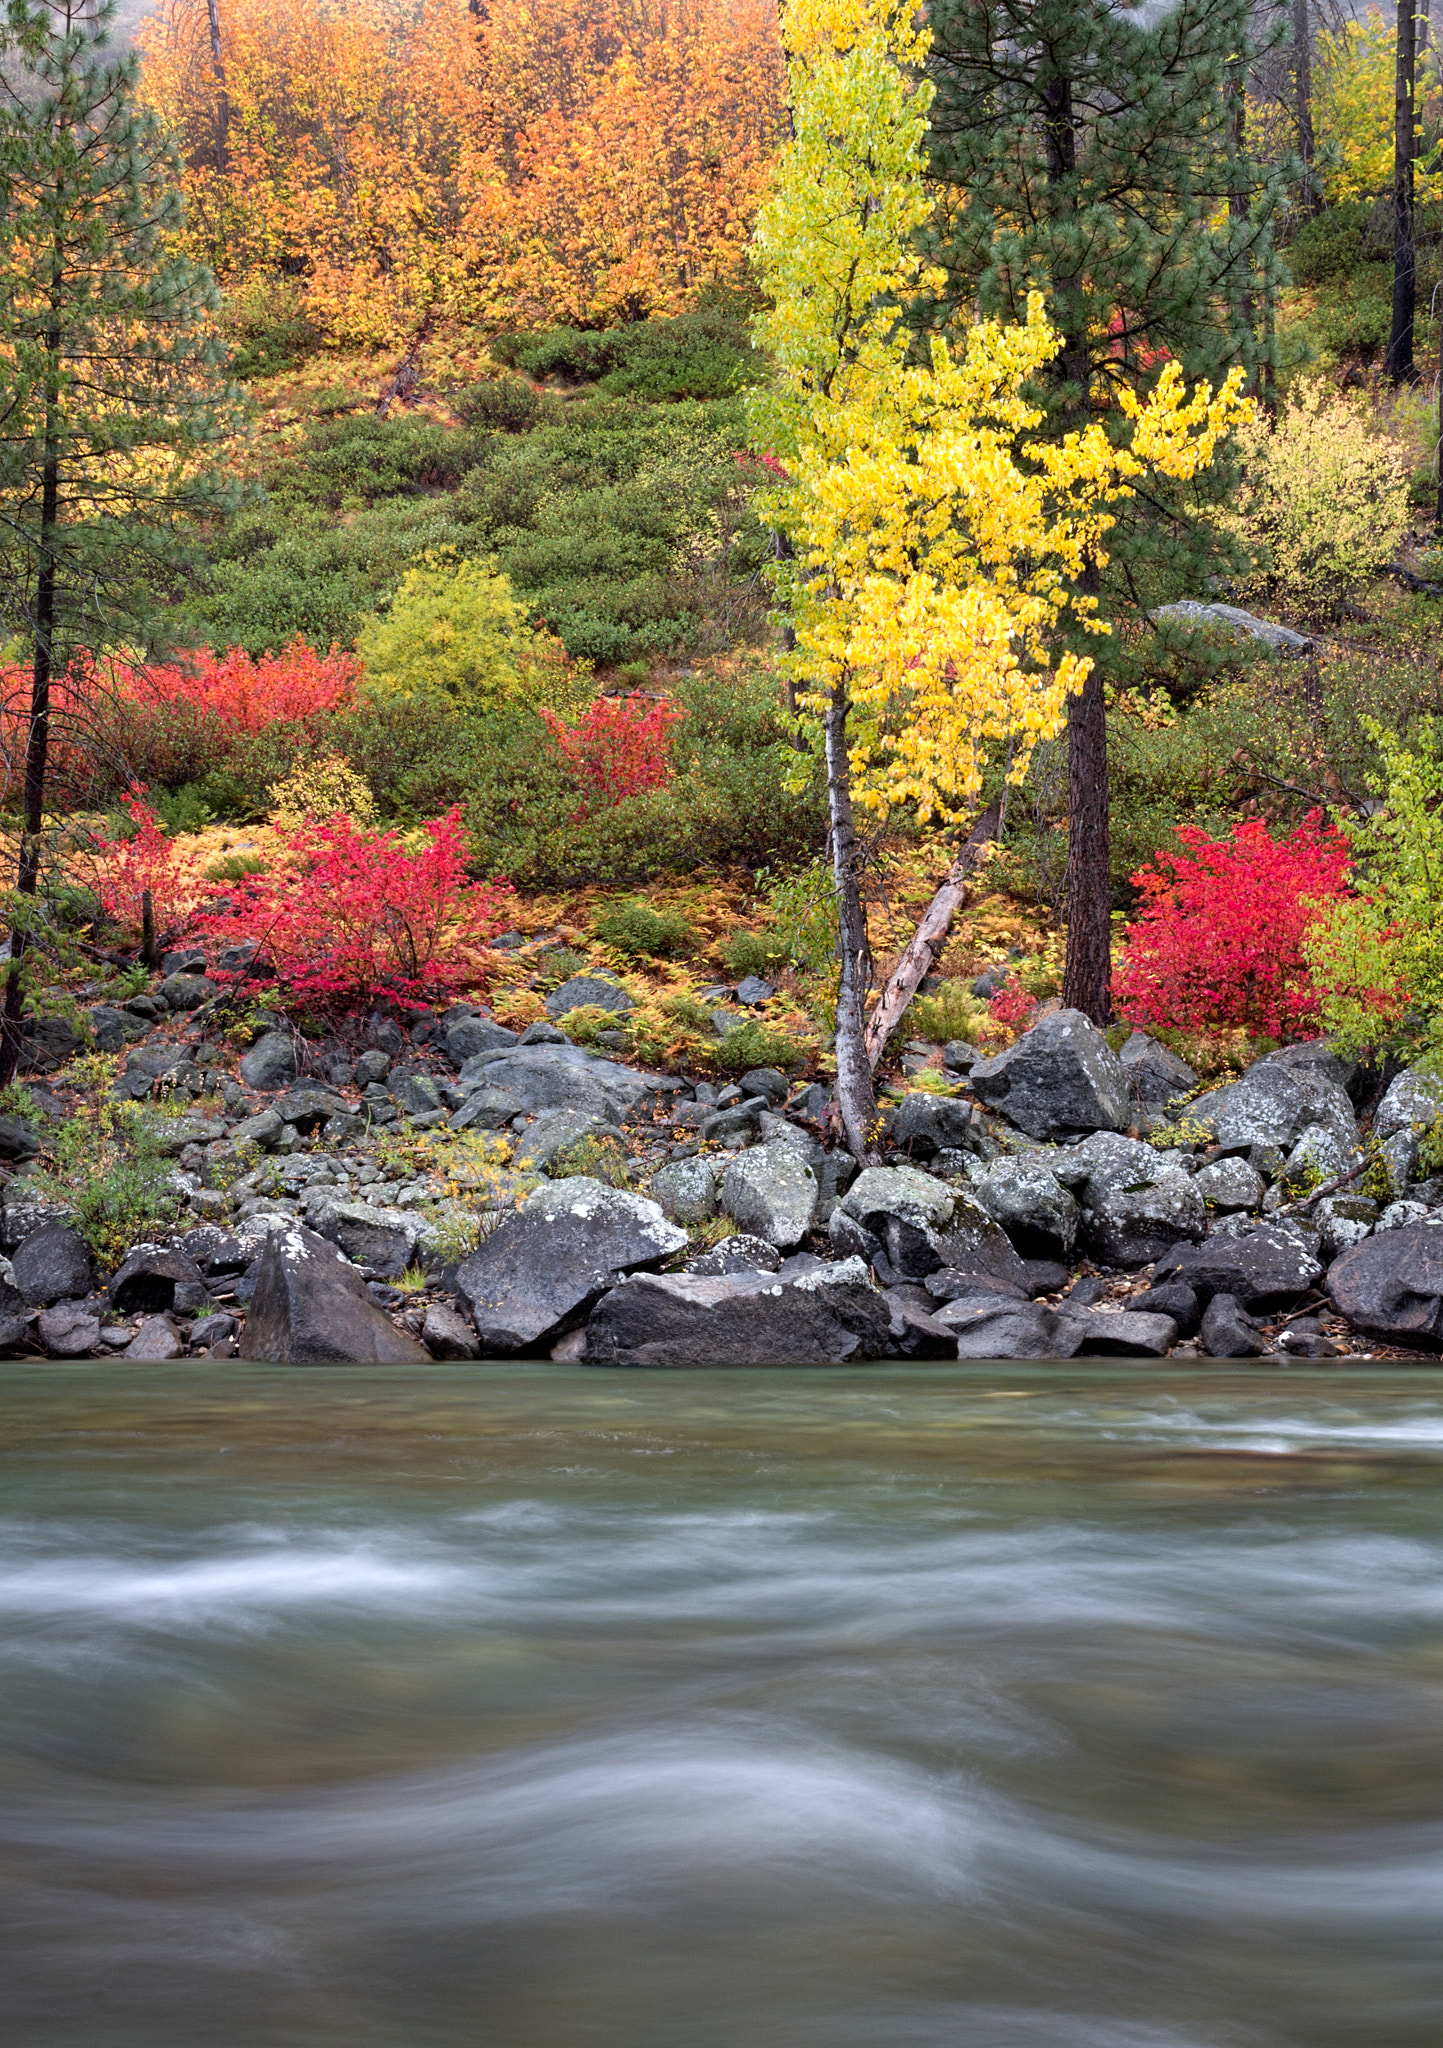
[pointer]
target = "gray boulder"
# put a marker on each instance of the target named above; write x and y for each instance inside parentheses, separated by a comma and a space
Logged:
(919, 1224)
(1319, 1153)
(1059, 1078)
(157, 1339)
(556, 1132)
(1264, 1266)
(565, 1077)
(686, 1189)
(472, 1035)
(1343, 1221)
(1230, 1184)
(381, 1240)
(1391, 1286)
(69, 1330)
(1114, 1333)
(1039, 1215)
(307, 1107)
(17, 1140)
(591, 991)
(1273, 1105)
(1156, 1079)
(271, 1062)
(53, 1264)
(541, 1268)
(1317, 1056)
(1228, 1331)
(1172, 1299)
(487, 1109)
(112, 1028)
(770, 1193)
(752, 990)
(1238, 624)
(739, 1254)
(923, 1125)
(820, 1318)
(997, 1326)
(310, 1307)
(1413, 1099)
(1137, 1202)
(447, 1335)
(263, 1129)
(187, 991)
(767, 1081)
(414, 1094)
(157, 1278)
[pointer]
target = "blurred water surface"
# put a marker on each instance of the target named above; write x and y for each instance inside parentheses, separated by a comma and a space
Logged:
(541, 1707)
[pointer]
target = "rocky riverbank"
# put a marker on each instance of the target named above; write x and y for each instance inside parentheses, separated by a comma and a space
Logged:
(456, 1189)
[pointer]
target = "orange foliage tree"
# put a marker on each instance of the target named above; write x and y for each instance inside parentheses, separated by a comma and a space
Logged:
(533, 161)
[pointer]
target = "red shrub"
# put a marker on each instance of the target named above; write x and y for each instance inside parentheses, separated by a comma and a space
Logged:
(1010, 1011)
(620, 747)
(1219, 940)
(126, 868)
(247, 695)
(354, 914)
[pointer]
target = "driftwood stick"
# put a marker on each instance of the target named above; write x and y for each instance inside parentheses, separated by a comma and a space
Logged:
(927, 942)
(1329, 1187)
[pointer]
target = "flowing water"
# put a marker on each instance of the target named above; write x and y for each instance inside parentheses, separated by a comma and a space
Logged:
(550, 1708)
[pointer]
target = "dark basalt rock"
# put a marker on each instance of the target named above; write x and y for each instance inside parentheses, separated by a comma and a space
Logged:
(822, 1317)
(53, 1264)
(1060, 1077)
(1391, 1286)
(271, 1062)
(310, 1307)
(538, 1272)
(1264, 1267)
(155, 1278)
(1228, 1331)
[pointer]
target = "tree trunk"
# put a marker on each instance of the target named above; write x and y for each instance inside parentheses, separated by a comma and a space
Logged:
(925, 946)
(1087, 975)
(1399, 361)
(1303, 104)
(37, 740)
(1245, 310)
(856, 1095)
(222, 97)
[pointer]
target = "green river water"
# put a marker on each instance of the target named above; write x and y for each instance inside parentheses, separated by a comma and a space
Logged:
(540, 1707)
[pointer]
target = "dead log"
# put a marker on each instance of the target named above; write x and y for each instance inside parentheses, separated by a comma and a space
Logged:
(926, 945)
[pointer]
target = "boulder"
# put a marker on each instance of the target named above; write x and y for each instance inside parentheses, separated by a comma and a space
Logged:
(752, 991)
(15, 1334)
(215, 1251)
(565, 1077)
(414, 1094)
(112, 1028)
(1137, 1202)
(307, 1107)
(1319, 1155)
(472, 1035)
(768, 1082)
(448, 1335)
(206, 1331)
(156, 1339)
(770, 1193)
(310, 1307)
(1273, 1105)
(1264, 1266)
(919, 1224)
(1230, 1184)
(187, 991)
(1238, 624)
(1156, 1079)
(1114, 1333)
(487, 1109)
(174, 1134)
(183, 960)
(996, 1326)
(1317, 1056)
(24, 1212)
(739, 1254)
(545, 1144)
(1228, 1331)
(739, 1122)
(588, 991)
(47, 1043)
(1414, 1098)
(821, 1318)
(923, 1125)
(17, 1140)
(541, 1268)
(1060, 1077)
(381, 1240)
(1399, 1154)
(1343, 1221)
(53, 1264)
(1031, 1204)
(1173, 1298)
(686, 1189)
(69, 1330)
(155, 1278)
(913, 1330)
(954, 1283)
(263, 1129)
(1391, 1286)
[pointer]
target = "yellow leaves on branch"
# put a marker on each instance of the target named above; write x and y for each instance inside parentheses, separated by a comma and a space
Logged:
(531, 162)
(937, 543)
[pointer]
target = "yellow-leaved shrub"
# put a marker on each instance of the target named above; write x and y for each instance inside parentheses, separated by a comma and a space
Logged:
(457, 630)
(1324, 497)
(322, 789)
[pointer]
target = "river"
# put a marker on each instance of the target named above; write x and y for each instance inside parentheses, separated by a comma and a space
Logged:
(539, 1707)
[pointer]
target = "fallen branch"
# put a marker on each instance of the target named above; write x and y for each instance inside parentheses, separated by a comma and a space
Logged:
(1329, 1187)
(1418, 584)
(926, 944)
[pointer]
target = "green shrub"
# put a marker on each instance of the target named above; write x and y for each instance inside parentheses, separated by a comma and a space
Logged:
(751, 953)
(756, 1045)
(634, 927)
(364, 458)
(234, 867)
(952, 1012)
(558, 964)
(505, 405)
(268, 328)
(106, 1166)
(453, 628)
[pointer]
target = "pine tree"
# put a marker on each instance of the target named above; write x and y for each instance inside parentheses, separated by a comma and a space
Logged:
(1094, 152)
(111, 394)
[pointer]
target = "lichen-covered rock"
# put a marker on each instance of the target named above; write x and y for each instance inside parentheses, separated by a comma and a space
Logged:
(1274, 1105)
(271, 1062)
(545, 1144)
(1343, 1221)
(922, 1124)
(53, 1264)
(771, 1193)
(686, 1188)
(540, 1269)
(820, 1318)
(545, 1076)
(1060, 1077)
(1264, 1266)
(155, 1278)
(381, 1240)
(1230, 1184)
(1391, 1286)
(1157, 1080)
(1413, 1099)
(310, 1307)
(919, 1224)
(69, 1330)
(738, 1254)
(1024, 1195)
(997, 1326)
(593, 991)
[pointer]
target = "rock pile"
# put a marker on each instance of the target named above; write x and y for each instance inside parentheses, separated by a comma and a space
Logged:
(1024, 1214)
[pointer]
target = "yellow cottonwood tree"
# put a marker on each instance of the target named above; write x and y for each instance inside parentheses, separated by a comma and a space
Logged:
(935, 549)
